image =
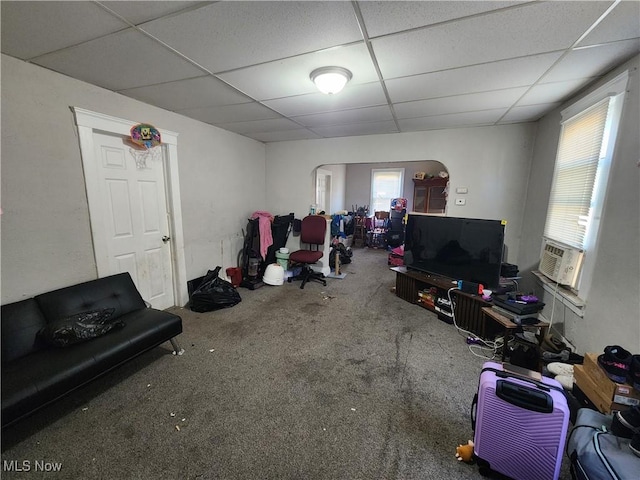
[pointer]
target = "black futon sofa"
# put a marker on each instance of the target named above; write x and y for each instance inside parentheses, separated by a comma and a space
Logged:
(35, 373)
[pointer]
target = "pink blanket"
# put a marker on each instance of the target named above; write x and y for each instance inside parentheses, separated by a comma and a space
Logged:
(264, 225)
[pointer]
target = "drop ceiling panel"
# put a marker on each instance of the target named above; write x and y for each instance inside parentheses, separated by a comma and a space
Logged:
(290, 76)
(230, 113)
(260, 126)
(459, 103)
(283, 136)
(552, 92)
(527, 30)
(382, 18)
(112, 62)
(370, 114)
(27, 28)
(353, 96)
(621, 24)
(140, 12)
(529, 113)
(229, 35)
(357, 129)
(490, 76)
(592, 61)
(487, 117)
(204, 91)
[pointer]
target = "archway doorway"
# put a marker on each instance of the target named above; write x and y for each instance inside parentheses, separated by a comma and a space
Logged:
(351, 183)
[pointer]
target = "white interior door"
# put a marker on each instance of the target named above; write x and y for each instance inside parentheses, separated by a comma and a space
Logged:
(323, 191)
(135, 221)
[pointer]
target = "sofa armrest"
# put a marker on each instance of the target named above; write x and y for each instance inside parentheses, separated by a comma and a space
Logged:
(21, 321)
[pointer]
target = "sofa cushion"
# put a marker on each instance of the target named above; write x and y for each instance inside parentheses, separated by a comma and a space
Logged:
(144, 329)
(20, 324)
(80, 327)
(115, 291)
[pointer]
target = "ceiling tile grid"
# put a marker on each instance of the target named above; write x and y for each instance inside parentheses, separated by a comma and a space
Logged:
(204, 91)
(290, 76)
(228, 35)
(126, 59)
(361, 115)
(30, 30)
(416, 65)
(353, 96)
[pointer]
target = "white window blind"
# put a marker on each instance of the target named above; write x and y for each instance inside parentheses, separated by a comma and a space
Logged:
(386, 184)
(579, 153)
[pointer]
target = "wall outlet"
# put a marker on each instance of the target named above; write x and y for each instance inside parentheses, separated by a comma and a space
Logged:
(461, 201)
(461, 190)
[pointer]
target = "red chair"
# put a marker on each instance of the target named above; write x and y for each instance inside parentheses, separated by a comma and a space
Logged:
(312, 233)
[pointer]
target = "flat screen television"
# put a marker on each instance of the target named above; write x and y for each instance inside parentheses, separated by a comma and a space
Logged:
(458, 248)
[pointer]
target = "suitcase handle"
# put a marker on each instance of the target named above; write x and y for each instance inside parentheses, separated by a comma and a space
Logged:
(524, 397)
(540, 385)
(474, 412)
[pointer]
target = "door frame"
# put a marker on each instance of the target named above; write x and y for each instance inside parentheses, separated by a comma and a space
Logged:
(89, 122)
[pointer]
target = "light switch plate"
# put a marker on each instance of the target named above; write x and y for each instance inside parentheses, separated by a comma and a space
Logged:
(461, 201)
(462, 190)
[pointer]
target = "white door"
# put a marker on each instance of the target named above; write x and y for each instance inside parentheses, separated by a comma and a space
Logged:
(323, 191)
(135, 221)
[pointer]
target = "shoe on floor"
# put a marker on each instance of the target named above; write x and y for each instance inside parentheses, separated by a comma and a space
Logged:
(560, 368)
(634, 445)
(566, 381)
(552, 344)
(634, 372)
(562, 356)
(626, 424)
(616, 363)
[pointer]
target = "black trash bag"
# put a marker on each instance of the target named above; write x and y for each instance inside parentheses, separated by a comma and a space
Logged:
(79, 328)
(213, 293)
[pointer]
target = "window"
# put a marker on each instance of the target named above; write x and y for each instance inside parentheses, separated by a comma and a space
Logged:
(386, 184)
(585, 149)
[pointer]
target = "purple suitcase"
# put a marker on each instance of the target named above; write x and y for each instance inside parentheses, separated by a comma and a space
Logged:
(520, 423)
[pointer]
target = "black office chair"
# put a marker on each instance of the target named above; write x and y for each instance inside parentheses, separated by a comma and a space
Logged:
(312, 232)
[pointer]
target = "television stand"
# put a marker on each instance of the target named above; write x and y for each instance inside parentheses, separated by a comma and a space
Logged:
(509, 327)
(411, 284)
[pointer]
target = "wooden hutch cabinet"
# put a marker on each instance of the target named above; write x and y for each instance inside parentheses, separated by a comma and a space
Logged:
(429, 195)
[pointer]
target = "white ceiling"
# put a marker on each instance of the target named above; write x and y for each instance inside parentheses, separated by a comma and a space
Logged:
(244, 66)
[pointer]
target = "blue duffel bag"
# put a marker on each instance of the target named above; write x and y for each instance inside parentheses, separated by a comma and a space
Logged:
(598, 454)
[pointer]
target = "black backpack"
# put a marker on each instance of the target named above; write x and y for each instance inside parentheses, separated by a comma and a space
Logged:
(344, 252)
(525, 355)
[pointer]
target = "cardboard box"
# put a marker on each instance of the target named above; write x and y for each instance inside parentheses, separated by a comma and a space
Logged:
(589, 387)
(621, 393)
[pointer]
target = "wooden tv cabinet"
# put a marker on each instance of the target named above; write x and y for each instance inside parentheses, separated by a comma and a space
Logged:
(468, 307)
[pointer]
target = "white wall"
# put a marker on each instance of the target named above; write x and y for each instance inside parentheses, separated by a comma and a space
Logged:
(359, 179)
(492, 162)
(612, 314)
(46, 239)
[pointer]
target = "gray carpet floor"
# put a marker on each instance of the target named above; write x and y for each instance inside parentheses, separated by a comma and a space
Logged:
(345, 381)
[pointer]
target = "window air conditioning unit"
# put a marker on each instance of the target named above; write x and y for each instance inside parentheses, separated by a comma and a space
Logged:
(560, 263)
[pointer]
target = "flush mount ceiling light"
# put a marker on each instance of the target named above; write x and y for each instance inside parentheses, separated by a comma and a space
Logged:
(330, 80)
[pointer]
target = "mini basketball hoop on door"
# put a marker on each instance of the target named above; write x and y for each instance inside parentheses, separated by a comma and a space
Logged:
(145, 144)
(146, 154)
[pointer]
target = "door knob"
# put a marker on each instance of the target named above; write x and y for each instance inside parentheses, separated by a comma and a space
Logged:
(165, 239)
